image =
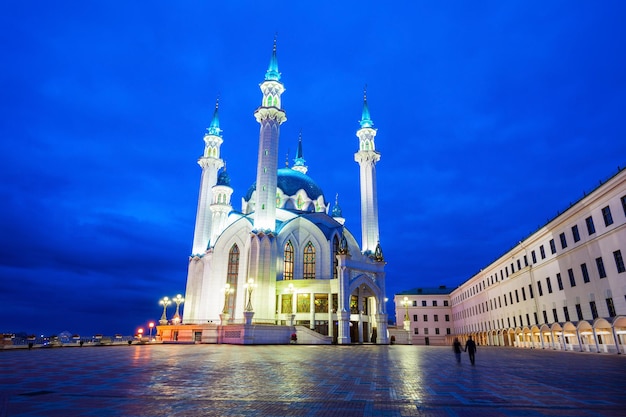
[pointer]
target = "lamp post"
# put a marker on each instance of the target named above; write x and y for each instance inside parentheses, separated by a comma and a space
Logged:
(405, 303)
(249, 287)
(178, 300)
(140, 333)
(165, 301)
(151, 326)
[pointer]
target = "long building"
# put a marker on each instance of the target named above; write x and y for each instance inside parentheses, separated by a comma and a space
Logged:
(562, 288)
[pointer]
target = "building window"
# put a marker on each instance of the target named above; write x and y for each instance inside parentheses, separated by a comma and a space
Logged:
(425, 330)
(335, 253)
(527, 319)
(555, 315)
(414, 303)
(572, 280)
(575, 233)
(563, 240)
(321, 303)
(542, 251)
(304, 303)
(552, 246)
(534, 256)
(523, 294)
(425, 317)
(583, 268)
(559, 281)
(600, 266)
(536, 317)
(545, 316)
(423, 303)
(445, 303)
(579, 312)
(610, 306)
(623, 199)
(414, 317)
(434, 303)
(416, 331)
(530, 291)
(437, 330)
(591, 228)
(516, 296)
(436, 317)
(525, 260)
(231, 279)
(606, 215)
(566, 313)
(539, 290)
(619, 261)
(309, 261)
(288, 264)
(549, 284)
(447, 317)
(448, 330)
(594, 310)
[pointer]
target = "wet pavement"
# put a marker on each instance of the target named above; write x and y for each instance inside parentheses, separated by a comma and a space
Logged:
(297, 380)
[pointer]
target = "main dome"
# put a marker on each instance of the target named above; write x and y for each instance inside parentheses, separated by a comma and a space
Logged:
(291, 184)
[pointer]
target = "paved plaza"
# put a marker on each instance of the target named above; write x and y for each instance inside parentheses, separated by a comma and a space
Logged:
(298, 380)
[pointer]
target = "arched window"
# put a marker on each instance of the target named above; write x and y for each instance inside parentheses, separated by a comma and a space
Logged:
(270, 101)
(335, 252)
(231, 279)
(309, 261)
(288, 261)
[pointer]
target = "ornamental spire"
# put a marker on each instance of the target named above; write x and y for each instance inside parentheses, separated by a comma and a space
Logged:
(272, 73)
(214, 127)
(299, 164)
(366, 121)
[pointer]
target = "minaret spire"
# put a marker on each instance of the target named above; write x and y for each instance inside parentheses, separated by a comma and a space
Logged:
(210, 162)
(366, 121)
(214, 127)
(270, 116)
(367, 156)
(299, 164)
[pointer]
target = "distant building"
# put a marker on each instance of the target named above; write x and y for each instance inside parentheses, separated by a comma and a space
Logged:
(285, 259)
(563, 287)
(426, 314)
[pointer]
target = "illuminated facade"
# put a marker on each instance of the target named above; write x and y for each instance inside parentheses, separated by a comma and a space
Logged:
(562, 288)
(285, 260)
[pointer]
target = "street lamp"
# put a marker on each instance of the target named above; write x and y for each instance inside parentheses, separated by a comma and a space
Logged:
(227, 292)
(405, 303)
(164, 302)
(140, 333)
(151, 326)
(178, 300)
(250, 287)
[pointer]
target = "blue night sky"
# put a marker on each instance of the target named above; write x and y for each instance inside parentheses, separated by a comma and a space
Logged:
(492, 117)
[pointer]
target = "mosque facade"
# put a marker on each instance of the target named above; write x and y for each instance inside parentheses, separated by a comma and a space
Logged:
(284, 266)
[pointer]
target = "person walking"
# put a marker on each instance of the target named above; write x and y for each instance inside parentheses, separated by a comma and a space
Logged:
(470, 348)
(456, 346)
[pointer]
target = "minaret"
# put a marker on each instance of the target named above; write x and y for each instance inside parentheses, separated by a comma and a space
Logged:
(299, 164)
(220, 207)
(210, 163)
(367, 156)
(270, 115)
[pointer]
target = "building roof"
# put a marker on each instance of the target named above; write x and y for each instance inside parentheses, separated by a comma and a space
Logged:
(441, 290)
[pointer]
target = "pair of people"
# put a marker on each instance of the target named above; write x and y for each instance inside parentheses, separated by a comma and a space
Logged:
(470, 348)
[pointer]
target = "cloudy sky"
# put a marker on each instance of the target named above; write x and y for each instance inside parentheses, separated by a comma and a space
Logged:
(492, 117)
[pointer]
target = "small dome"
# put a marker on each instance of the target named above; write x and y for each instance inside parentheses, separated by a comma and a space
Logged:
(223, 178)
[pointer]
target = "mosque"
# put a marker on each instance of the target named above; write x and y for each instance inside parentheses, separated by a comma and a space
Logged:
(284, 267)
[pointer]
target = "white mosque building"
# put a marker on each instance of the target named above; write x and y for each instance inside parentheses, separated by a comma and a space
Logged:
(285, 266)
